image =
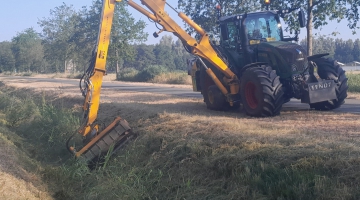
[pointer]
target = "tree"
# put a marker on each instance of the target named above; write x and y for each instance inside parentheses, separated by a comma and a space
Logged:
(356, 50)
(319, 12)
(164, 56)
(349, 46)
(180, 55)
(57, 32)
(344, 50)
(126, 31)
(321, 44)
(7, 59)
(166, 40)
(204, 12)
(27, 50)
(144, 57)
(339, 50)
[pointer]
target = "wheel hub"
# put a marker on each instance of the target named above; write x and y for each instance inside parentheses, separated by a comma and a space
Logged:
(250, 90)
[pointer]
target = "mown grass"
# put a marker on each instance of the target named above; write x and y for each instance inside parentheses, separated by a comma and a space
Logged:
(186, 156)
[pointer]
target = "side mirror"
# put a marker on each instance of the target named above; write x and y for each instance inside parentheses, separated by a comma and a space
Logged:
(301, 16)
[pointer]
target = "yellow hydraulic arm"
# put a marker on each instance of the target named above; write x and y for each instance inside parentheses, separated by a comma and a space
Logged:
(201, 48)
(98, 140)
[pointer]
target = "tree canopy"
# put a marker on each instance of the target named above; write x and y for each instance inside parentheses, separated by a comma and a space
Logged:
(204, 12)
(69, 35)
(319, 13)
(27, 51)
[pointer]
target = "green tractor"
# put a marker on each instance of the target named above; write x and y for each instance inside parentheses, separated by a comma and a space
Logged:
(271, 69)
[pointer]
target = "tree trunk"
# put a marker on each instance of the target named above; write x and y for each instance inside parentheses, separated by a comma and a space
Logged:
(117, 62)
(309, 28)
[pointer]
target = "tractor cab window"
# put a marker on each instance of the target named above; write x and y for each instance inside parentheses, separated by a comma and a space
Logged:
(263, 27)
(229, 34)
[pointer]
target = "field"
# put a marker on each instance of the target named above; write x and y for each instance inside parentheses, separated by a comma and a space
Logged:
(183, 151)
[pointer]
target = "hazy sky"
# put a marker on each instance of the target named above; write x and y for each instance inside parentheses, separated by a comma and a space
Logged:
(19, 15)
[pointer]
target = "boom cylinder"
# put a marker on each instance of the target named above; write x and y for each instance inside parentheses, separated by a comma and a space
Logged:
(142, 10)
(192, 23)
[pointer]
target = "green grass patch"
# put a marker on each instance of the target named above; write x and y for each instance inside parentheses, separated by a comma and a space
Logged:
(41, 124)
(353, 82)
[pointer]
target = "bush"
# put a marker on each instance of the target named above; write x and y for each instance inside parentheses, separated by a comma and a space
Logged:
(154, 74)
(74, 76)
(150, 73)
(27, 74)
(177, 77)
(127, 74)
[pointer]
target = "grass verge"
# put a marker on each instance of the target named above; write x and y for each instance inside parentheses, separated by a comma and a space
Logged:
(354, 82)
(185, 154)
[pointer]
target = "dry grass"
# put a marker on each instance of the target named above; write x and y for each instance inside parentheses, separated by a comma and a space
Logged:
(185, 151)
(353, 72)
(228, 155)
(18, 176)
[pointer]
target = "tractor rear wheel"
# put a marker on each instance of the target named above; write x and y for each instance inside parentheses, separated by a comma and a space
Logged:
(214, 99)
(261, 91)
(330, 70)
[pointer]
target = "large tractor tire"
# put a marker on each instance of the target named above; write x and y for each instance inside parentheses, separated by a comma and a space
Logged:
(213, 98)
(330, 70)
(261, 91)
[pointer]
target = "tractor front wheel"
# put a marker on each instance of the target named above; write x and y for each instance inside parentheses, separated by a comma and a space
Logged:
(261, 91)
(330, 70)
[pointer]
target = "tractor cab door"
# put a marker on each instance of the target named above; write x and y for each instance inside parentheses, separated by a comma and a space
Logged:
(230, 41)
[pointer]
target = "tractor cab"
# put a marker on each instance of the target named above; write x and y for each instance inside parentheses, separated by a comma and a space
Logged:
(259, 27)
(241, 34)
(258, 37)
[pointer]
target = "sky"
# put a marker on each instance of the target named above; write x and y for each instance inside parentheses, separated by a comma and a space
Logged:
(16, 17)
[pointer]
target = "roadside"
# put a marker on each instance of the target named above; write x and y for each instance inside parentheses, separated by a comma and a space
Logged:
(182, 132)
(19, 174)
(188, 152)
